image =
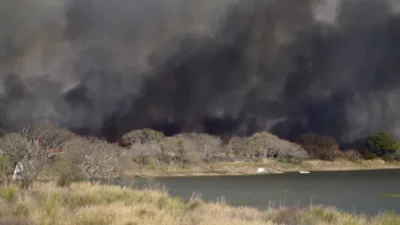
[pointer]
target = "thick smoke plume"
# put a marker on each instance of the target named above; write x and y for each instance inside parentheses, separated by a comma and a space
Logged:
(219, 66)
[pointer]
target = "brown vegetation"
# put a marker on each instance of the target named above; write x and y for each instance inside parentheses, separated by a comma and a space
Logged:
(318, 146)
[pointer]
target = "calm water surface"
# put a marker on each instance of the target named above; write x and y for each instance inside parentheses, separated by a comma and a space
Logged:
(359, 191)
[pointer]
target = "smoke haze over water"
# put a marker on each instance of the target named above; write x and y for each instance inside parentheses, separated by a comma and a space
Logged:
(220, 66)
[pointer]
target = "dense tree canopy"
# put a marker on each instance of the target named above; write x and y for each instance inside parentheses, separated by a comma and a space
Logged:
(380, 145)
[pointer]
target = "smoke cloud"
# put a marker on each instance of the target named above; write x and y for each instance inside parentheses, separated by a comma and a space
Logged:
(218, 66)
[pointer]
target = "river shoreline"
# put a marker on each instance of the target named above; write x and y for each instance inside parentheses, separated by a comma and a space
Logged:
(272, 167)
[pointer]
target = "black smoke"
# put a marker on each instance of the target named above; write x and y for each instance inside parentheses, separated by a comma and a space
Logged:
(221, 67)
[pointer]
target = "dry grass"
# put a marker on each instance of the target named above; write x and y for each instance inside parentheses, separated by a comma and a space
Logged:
(86, 204)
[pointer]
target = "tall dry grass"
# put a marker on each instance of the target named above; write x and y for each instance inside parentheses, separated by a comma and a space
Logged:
(86, 204)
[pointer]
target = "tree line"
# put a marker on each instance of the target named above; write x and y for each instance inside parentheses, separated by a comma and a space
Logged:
(75, 157)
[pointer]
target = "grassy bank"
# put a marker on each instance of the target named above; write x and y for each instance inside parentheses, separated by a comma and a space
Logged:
(84, 204)
(250, 167)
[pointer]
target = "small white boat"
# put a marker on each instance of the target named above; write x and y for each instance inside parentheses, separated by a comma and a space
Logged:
(261, 170)
(302, 171)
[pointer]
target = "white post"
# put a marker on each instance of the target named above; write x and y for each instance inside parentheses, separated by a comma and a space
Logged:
(19, 169)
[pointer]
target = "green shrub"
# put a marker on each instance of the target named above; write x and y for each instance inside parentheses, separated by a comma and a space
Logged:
(380, 145)
(5, 164)
(6, 168)
(8, 193)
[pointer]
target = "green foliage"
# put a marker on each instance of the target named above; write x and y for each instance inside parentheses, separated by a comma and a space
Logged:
(5, 165)
(6, 169)
(8, 193)
(380, 145)
(4, 162)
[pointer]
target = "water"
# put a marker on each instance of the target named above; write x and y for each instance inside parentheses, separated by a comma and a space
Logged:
(358, 191)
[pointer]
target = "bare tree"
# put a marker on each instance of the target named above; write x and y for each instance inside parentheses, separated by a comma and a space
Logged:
(47, 135)
(140, 137)
(97, 158)
(238, 147)
(206, 145)
(33, 147)
(267, 145)
(13, 145)
(179, 150)
(146, 153)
